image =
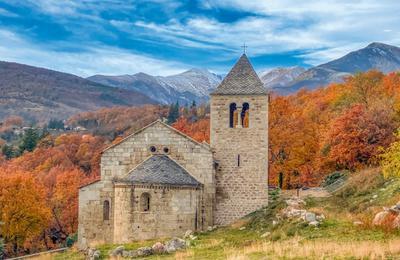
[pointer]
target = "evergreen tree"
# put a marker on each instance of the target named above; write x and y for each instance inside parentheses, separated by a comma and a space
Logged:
(7, 151)
(29, 140)
(173, 114)
(55, 124)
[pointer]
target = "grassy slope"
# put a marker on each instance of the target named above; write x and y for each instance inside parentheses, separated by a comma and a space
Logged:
(335, 238)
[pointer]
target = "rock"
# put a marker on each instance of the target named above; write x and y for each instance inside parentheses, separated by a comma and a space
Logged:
(358, 223)
(93, 254)
(175, 244)
(274, 222)
(192, 237)
(117, 251)
(144, 251)
(129, 254)
(188, 233)
(159, 248)
(96, 255)
(310, 217)
(313, 223)
(320, 217)
(215, 227)
(242, 228)
(265, 234)
(295, 202)
(209, 228)
(379, 218)
(375, 196)
(394, 209)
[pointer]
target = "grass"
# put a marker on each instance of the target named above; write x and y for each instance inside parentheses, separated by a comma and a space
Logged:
(336, 238)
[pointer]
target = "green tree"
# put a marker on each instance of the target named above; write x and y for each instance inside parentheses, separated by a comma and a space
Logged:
(173, 114)
(55, 124)
(8, 151)
(29, 140)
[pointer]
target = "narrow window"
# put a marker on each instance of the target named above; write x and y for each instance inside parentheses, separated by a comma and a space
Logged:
(238, 160)
(232, 115)
(145, 202)
(244, 115)
(106, 210)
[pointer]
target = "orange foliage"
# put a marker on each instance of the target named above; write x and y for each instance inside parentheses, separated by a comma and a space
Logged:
(199, 130)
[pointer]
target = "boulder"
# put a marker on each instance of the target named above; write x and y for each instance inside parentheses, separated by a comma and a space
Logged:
(158, 248)
(209, 228)
(93, 254)
(320, 217)
(129, 253)
(310, 217)
(144, 251)
(313, 223)
(175, 244)
(117, 251)
(188, 233)
(379, 218)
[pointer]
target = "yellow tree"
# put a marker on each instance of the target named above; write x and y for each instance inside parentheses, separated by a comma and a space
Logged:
(22, 209)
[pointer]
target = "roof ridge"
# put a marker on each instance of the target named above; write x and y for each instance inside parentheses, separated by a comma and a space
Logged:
(149, 125)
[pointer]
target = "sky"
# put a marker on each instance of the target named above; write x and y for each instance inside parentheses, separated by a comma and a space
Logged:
(164, 37)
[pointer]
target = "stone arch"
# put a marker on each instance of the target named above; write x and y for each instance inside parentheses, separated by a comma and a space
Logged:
(145, 202)
(106, 210)
(233, 115)
(245, 114)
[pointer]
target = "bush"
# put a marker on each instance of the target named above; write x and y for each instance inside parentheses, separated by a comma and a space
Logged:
(71, 239)
(333, 177)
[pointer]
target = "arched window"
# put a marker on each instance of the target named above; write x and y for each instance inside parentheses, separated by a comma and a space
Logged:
(145, 202)
(106, 210)
(232, 115)
(244, 115)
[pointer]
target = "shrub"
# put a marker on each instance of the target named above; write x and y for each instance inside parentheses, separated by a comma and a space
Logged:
(71, 239)
(333, 177)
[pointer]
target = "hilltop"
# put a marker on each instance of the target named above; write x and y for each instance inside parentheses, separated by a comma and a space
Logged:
(38, 94)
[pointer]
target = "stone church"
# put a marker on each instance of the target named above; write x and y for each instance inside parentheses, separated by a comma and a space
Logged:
(158, 182)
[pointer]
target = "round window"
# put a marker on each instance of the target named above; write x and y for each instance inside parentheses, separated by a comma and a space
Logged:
(166, 150)
(153, 149)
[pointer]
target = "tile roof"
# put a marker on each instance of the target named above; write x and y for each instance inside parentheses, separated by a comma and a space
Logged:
(241, 80)
(160, 169)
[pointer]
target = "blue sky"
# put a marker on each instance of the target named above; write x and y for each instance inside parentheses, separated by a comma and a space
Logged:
(163, 37)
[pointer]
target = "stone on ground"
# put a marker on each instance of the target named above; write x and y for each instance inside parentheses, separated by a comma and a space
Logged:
(175, 244)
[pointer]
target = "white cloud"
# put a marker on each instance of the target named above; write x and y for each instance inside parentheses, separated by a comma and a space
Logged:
(96, 60)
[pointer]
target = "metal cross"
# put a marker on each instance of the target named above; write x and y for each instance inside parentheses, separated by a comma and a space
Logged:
(244, 46)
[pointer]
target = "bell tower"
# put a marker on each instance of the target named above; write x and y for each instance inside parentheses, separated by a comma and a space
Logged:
(239, 141)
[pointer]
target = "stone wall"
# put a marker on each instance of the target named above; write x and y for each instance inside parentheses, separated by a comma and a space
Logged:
(196, 158)
(240, 189)
(92, 229)
(172, 211)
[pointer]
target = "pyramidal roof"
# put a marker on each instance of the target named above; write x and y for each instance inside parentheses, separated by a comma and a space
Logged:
(160, 169)
(241, 80)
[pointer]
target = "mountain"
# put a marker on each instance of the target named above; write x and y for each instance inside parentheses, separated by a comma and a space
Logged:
(41, 94)
(280, 76)
(194, 84)
(383, 57)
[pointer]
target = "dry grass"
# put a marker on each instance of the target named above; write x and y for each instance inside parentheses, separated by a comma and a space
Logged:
(320, 249)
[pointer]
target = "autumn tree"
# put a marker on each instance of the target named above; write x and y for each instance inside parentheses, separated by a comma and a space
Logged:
(23, 209)
(355, 137)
